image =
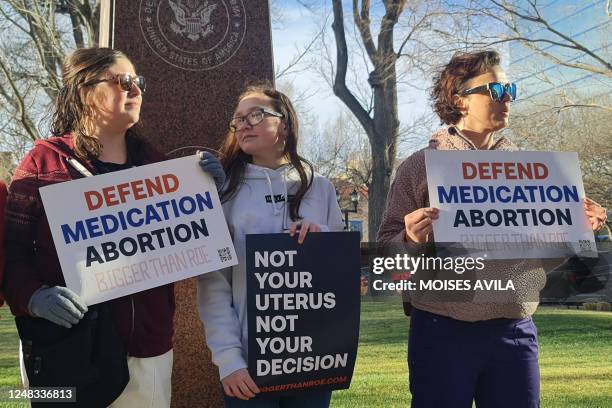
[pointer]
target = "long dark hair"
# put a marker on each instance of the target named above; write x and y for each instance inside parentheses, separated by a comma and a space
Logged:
(73, 108)
(234, 160)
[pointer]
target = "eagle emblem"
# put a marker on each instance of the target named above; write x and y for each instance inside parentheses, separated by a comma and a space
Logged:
(192, 18)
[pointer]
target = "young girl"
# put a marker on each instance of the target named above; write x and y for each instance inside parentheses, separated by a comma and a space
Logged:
(269, 189)
(93, 115)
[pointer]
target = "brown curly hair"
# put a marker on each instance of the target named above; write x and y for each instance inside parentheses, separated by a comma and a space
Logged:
(72, 110)
(451, 78)
(234, 160)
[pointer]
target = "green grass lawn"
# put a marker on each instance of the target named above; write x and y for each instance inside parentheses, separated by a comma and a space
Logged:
(9, 349)
(575, 358)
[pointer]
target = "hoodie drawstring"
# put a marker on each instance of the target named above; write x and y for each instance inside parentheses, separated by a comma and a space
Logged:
(276, 209)
(286, 195)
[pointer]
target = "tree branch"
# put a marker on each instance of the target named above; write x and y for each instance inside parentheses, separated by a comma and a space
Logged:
(296, 60)
(18, 102)
(413, 30)
(540, 20)
(75, 19)
(340, 88)
(362, 21)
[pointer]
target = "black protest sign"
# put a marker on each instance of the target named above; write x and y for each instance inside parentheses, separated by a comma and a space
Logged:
(303, 311)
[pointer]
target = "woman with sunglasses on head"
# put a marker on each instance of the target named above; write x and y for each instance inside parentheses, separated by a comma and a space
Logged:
(270, 188)
(460, 351)
(93, 116)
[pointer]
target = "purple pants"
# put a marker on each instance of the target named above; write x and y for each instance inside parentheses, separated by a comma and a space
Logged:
(452, 362)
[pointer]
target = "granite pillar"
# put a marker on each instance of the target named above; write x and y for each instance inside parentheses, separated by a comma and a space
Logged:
(196, 57)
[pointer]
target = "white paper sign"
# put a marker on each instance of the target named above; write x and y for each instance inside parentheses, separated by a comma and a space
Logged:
(124, 232)
(510, 204)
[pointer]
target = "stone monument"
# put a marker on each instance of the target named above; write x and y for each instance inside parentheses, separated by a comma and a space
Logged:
(196, 56)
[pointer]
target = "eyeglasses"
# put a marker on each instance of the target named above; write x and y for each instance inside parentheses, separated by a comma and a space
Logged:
(252, 118)
(125, 82)
(497, 90)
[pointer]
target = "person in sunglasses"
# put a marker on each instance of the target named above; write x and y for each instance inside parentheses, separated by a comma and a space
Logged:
(270, 188)
(92, 133)
(458, 350)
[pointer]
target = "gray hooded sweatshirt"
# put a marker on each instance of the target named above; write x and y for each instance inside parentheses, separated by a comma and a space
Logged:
(259, 207)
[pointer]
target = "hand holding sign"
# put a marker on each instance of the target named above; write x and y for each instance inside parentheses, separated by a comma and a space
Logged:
(211, 165)
(137, 229)
(419, 224)
(595, 213)
(304, 226)
(239, 384)
(512, 204)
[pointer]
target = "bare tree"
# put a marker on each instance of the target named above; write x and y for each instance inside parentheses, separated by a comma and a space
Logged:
(36, 36)
(407, 46)
(382, 124)
(340, 150)
(582, 130)
(374, 102)
(399, 42)
(572, 117)
(298, 63)
(527, 24)
(521, 19)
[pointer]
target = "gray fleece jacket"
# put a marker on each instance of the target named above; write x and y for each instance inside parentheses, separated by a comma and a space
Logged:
(409, 192)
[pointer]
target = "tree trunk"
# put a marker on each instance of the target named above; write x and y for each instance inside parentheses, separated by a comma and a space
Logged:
(377, 190)
(383, 81)
(383, 128)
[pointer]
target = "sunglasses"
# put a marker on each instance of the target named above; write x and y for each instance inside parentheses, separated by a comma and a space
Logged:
(497, 90)
(253, 118)
(125, 82)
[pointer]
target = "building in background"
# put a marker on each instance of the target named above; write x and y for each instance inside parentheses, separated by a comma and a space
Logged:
(353, 202)
(542, 81)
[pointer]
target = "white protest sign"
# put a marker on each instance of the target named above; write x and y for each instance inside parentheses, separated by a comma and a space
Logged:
(124, 232)
(511, 204)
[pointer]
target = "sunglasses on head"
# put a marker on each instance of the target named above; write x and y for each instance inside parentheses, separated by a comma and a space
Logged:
(125, 82)
(497, 90)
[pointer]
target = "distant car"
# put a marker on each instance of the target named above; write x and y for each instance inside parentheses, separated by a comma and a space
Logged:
(562, 288)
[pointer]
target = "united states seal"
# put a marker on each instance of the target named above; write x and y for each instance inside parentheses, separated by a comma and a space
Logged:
(194, 35)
